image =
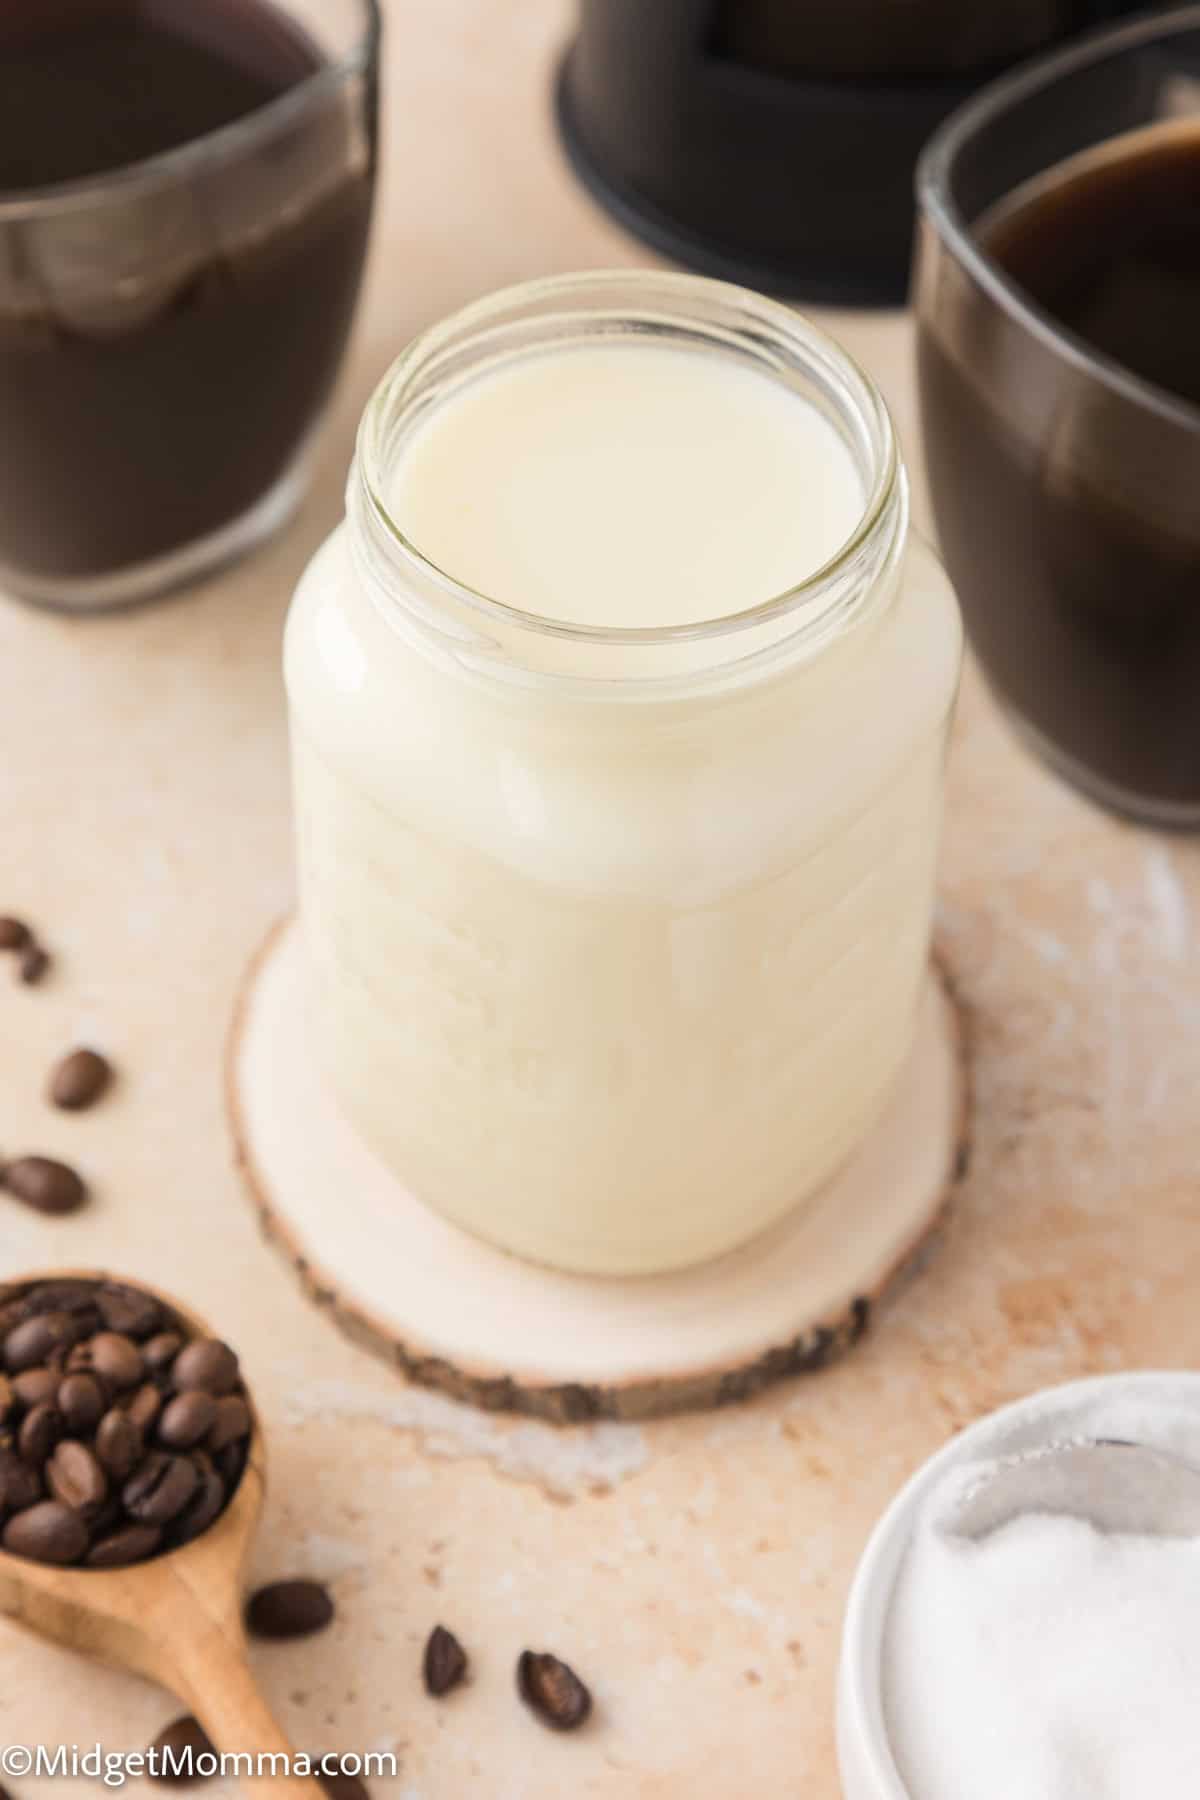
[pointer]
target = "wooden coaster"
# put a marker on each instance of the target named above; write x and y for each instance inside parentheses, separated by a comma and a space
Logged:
(456, 1314)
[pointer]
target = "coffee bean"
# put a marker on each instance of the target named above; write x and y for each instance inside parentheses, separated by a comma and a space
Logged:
(445, 1662)
(8, 1400)
(288, 1609)
(144, 1407)
(128, 1310)
(160, 1488)
(40, 1431)
(187, 1419)
(552, 1690)
(117, 1359)
(74, 1476)
(69, 1296)
(20, 1485)
(119, 1443)
(128, 1544)
(48, 1532)
(161, 1351)
(340, 1786)
(32, 1386)
(78, 1080)
(207, 1364)
(232, 1422)
(69, 1293)
(81, 1401)
(202, 1509)
(183, 1736)
(33, 965)
(38, 1340)
(14, 933)
(45, 1185)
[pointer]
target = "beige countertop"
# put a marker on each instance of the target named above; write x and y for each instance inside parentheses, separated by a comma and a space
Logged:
(694, 1571)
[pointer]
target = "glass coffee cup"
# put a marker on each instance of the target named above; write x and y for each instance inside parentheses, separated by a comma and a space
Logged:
(1058, 299)
(185, 196)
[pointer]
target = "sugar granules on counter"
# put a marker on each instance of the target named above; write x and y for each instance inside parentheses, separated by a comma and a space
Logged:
(1045, 1662)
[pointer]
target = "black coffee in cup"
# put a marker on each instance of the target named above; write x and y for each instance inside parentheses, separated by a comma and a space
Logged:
(1065, 464)
(168, 330)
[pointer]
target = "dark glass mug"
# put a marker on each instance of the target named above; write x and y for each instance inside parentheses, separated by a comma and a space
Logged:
(170, 328)
(1066, 477)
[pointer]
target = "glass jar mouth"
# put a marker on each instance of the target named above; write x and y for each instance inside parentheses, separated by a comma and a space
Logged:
(19, 205)
(604, 295)
(935, 178)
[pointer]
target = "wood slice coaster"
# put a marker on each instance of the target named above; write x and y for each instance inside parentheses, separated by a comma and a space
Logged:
(456, 1314)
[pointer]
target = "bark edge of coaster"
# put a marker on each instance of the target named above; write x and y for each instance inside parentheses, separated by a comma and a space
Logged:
(455, 1314)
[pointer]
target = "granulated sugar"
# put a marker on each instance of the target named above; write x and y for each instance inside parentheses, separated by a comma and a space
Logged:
(1045, 1662)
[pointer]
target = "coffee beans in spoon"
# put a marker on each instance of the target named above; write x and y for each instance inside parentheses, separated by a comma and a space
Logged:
(123, 1433)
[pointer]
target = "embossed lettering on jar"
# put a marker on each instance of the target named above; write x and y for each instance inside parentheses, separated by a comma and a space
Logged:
(619, 707)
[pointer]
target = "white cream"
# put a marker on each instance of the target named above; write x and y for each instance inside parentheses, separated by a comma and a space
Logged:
(616, 978)
(627, 487)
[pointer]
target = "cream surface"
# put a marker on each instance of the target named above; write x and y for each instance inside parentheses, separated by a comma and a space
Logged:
(627, 487)
(617, 983)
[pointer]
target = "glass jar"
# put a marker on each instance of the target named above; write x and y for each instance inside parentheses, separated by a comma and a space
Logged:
(616, 936)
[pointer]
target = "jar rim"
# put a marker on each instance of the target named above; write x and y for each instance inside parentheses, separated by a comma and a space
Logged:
(632, 294)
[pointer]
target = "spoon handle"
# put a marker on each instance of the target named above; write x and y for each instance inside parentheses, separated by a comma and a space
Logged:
(205, 1663)
(216, 1684)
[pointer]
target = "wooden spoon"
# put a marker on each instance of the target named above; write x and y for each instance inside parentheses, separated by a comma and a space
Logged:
(175, 1619)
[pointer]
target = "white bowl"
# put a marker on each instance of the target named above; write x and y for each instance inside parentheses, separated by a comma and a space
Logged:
(864, 1754)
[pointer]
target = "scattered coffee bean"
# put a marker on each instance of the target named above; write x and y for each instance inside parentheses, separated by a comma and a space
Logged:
(144, 1407)
(79, 1080)
(45, 1185)
(182, 1736)
(48, 1532)
(187, 1419)
(77, 1417)
(116, 1359)
(75, 1477)
(14, 933)
(119, 1443)
(231, 1424)
(33, 964)
(161, 1351)
(288, 1609)
(207, 1364)
(128, 1310)
(40, 1431)
(552, 1690)
(81, 1401)
(20, 1485)
(445, 1662)
(129, 1544)
(159, 1488)
(340, 1786)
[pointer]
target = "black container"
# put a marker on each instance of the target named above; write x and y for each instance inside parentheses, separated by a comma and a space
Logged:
(773, 143)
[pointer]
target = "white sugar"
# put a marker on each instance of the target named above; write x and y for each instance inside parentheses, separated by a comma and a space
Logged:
(1046, 1662)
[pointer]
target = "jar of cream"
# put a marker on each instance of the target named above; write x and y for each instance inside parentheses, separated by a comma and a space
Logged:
(619, 706)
